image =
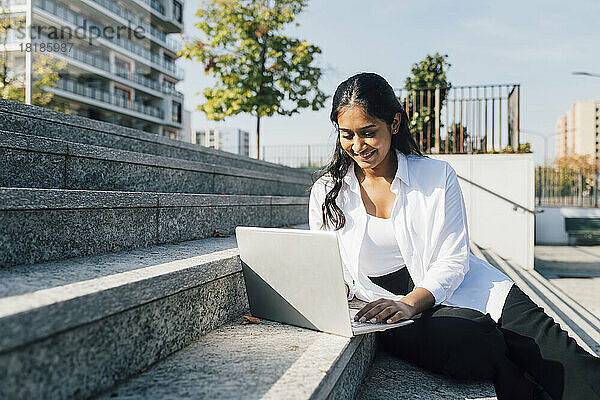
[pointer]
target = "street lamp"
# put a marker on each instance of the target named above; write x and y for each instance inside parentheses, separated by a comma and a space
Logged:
(586, 74)
(541, 135)
(593, 75)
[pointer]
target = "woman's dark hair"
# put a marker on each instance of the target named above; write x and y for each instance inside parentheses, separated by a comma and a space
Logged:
(377, 97)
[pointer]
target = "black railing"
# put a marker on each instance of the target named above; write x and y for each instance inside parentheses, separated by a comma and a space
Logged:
(564, 187)
(463, 119)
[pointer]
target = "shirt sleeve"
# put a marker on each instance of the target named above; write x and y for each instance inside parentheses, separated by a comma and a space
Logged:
(315, 222)
(450, 257)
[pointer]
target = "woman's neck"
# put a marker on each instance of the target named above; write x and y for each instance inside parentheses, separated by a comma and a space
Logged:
(385, 170)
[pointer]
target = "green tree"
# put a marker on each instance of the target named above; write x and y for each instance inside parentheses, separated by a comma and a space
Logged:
(426, 76)
(44, 76)
(258, 69)
(44, 68)
(10, 82)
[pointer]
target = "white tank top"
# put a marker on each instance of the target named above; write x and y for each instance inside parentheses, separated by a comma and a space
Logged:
(379, 253)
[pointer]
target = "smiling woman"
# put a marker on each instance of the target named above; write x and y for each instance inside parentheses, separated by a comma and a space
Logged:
(402, 229)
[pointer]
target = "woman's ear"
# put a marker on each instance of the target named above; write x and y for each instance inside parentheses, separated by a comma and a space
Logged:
(396, 123)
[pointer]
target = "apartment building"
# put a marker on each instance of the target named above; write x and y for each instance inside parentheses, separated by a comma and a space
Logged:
(578, 132)
(120, 57)
(561, 137)
(232, 140)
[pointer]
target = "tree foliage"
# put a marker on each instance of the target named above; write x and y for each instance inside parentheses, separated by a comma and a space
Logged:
(44, 76)
(258, 69)
(429, 73)
(426, 76)
(44, 68)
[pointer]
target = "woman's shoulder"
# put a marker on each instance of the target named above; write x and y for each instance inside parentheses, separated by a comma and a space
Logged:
(426, 161)
(428, 170)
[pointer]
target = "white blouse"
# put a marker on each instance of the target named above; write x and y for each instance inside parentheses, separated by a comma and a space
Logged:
(379, 254)
(430, 227)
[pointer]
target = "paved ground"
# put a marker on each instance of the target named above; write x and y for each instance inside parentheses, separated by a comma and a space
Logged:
(575, 270)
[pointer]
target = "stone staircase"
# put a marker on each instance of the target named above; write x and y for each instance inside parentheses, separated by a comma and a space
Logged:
(120, 276)
(117, 249)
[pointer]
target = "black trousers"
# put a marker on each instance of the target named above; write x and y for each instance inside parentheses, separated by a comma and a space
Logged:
(525, 345)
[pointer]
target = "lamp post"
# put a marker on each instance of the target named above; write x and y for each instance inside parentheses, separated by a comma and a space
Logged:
(594, 75)
(540, 135)
(545, 137)
(28, 54)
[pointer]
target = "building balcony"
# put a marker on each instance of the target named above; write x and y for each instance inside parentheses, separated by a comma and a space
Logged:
(10, 3)
(147, 82)
(161, 13)
(147, 56)
(101, 63)
(156, 5)
(104, 96)
(149, 29)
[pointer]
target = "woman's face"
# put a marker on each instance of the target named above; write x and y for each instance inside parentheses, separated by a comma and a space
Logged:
(365, 138)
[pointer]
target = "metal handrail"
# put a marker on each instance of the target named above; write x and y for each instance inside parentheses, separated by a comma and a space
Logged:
(516, 206)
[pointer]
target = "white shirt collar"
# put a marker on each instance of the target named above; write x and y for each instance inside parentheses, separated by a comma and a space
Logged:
(401, 173)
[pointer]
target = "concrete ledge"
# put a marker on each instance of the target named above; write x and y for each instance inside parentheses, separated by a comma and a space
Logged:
(78, 338)
(581, 324)
(36, 162)
(264, 361)
(38, 121)
(51, 224)
(391, 378)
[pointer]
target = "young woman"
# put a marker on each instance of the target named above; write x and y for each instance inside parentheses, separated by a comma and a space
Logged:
(402, 229)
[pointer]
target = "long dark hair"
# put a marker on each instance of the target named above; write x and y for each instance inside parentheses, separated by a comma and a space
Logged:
(377, 97)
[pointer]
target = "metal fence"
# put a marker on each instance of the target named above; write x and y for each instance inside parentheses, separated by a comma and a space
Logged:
(563, 187)
(463, 119)
(301, 155)
(458, 119)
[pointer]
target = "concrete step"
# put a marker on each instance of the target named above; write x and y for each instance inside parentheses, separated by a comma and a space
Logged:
(40, 225)
(36, 162)
(72, 328)
(38, 121)
(391, 378)
(256, 361)
(581, 324)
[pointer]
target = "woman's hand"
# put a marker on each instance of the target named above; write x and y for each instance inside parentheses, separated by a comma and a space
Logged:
(385, 310)
(391, 311)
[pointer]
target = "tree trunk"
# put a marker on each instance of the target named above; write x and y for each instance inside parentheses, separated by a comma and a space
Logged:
(258, 137)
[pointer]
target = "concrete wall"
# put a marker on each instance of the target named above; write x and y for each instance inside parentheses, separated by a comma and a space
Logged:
(493, 221)
(550, 224)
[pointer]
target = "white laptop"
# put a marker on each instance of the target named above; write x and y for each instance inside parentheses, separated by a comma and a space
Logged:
(295, 276)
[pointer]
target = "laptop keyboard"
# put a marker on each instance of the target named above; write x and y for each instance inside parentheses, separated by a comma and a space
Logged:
(356, 323)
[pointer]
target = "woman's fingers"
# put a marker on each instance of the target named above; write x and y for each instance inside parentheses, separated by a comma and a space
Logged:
(398, 316)
(366, 309)
(384, 310)
(374, 309)
(384, 313)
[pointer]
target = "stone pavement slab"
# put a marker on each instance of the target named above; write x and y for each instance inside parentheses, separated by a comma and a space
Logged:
(391, 378)
(575, 270)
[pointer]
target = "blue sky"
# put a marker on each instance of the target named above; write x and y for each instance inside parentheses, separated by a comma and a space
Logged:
(535, 43)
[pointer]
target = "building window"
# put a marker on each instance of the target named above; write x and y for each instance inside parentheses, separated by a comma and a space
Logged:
(122, 97)
(177, 12)
(176, 112)
(122, 68)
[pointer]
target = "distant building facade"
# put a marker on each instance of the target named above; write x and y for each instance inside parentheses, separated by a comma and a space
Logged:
(579, 130)
(120, 58)
(232, 140)
(561, 137)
